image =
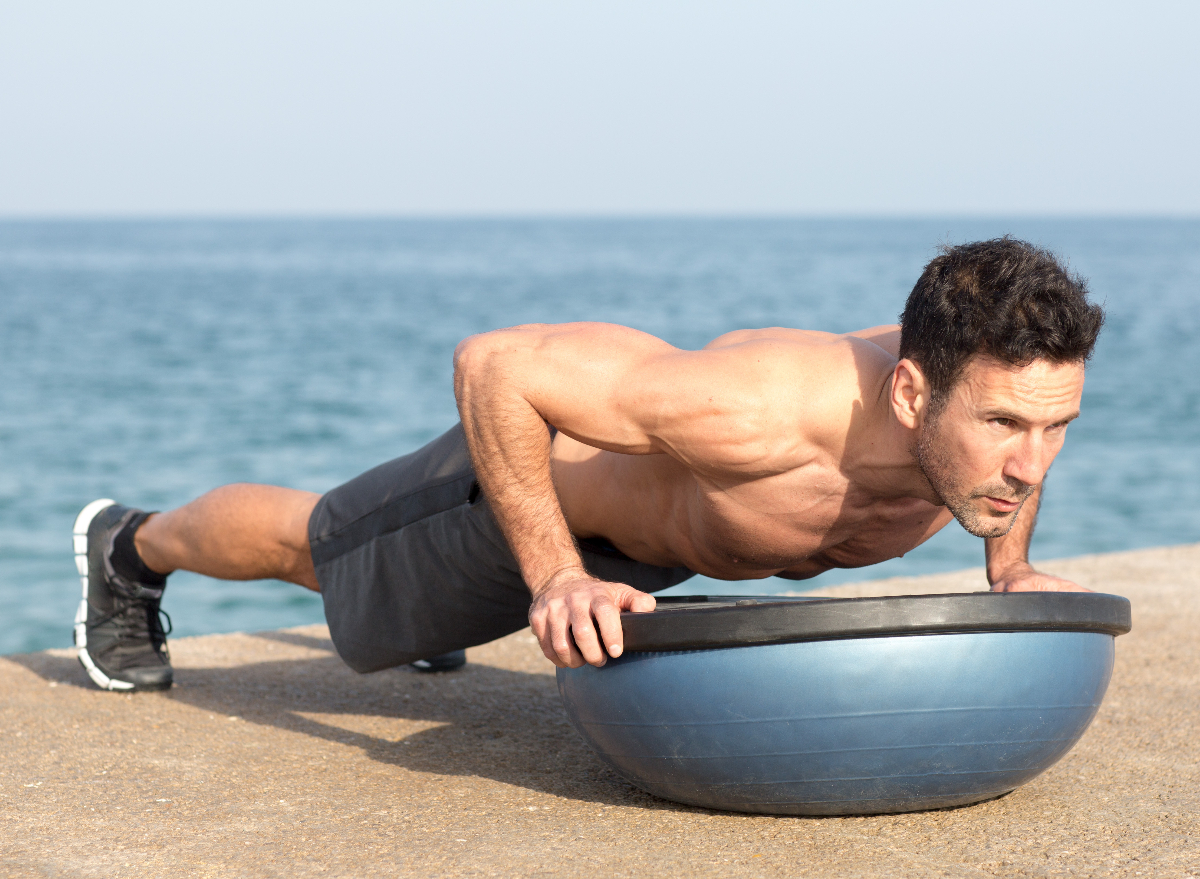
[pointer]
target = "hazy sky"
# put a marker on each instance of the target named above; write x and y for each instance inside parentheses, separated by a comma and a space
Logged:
(464, 107)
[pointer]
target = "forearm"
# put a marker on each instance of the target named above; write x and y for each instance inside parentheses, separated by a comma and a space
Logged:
(510, 448)
(1012, 550)
(1008, 568)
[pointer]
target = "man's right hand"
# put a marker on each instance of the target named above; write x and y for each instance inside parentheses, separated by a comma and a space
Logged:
(577, 618)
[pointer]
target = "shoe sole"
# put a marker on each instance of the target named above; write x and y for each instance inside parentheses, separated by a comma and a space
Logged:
(79, 541)
(437, 665)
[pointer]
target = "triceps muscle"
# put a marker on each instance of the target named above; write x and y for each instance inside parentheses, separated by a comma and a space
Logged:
(510, 449)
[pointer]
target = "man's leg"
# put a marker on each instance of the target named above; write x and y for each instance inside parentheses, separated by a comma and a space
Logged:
(237, 532)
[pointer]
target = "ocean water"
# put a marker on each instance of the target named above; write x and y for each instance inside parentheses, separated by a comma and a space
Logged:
(150, 361)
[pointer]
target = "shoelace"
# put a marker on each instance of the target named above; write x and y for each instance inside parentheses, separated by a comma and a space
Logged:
(137, 625)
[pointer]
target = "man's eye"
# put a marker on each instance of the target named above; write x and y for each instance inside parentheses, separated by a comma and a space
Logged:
(1003, 422)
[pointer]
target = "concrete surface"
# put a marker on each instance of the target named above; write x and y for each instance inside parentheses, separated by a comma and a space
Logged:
(270, 758)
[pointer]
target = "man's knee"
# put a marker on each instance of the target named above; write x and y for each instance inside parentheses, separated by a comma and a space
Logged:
(296, 541)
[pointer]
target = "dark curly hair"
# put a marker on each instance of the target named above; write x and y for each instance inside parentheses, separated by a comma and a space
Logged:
(1005, 298)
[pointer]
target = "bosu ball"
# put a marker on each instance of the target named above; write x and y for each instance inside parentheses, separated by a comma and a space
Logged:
(847, 706)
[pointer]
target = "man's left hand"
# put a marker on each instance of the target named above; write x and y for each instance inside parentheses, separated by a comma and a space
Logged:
(1021, 577)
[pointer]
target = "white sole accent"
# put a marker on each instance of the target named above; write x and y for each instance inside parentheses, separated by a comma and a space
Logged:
(79, 544)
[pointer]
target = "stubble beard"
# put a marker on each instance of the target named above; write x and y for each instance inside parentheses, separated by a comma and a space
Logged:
(940, 473)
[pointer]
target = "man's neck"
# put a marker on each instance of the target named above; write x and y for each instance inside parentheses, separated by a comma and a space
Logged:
(880, 456)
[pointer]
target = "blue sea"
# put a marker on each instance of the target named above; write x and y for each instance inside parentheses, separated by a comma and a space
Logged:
(151, 360)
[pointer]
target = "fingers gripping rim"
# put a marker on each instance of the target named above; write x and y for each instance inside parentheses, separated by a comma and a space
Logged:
(79, 543)
(607, 618)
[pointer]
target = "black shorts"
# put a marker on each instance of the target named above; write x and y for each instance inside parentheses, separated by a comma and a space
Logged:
(412, 564)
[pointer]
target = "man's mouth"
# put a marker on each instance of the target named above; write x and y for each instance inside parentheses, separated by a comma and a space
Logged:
(1002, 505)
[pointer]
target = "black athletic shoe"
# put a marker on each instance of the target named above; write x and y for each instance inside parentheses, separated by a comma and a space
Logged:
(118, 632)
(455, 659)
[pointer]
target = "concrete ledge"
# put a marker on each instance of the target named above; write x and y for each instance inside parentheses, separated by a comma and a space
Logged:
(270, 758)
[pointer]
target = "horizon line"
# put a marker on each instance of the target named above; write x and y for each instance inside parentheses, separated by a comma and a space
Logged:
(583, 216)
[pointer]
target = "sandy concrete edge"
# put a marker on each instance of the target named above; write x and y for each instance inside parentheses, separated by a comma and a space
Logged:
(272, 759)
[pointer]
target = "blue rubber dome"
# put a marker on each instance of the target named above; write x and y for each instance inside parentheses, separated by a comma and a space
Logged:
(847, 706)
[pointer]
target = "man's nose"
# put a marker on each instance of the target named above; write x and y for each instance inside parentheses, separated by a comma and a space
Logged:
(1025, 463)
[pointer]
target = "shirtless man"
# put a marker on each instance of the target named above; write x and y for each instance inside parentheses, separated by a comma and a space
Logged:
(595, 464)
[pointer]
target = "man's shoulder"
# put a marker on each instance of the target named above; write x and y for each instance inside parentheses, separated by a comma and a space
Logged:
(785, 337)
(792, 395)
(815, 344)
(839, 363)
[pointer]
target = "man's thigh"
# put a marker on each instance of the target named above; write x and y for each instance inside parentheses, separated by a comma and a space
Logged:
(411, 562)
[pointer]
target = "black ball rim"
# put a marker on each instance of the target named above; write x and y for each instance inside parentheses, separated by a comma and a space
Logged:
(699, 622)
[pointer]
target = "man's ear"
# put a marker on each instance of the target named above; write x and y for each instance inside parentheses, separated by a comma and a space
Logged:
(910, 393)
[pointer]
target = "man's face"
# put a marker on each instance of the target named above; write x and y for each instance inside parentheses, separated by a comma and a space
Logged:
(992, 442)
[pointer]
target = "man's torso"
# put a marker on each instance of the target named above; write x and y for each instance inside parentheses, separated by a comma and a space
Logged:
(804, 513)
